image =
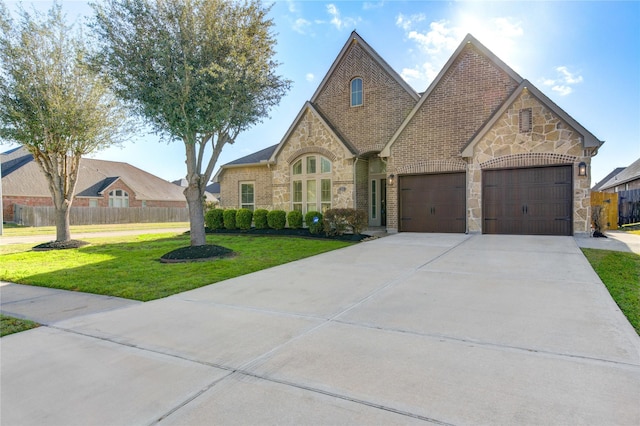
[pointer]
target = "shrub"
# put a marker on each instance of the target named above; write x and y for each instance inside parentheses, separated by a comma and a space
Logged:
(213, 219)
(229, 217)
(340, 221)
(313, 221)
(243, 219)
(277, 219)
(294, 218)
(260, 219)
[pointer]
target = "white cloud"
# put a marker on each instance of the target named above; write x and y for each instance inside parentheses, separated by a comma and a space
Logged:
(300, 24)
(436, 40)
(563, 82)
(309, 77)
(293, 7)
(337, 20)
(367, 5)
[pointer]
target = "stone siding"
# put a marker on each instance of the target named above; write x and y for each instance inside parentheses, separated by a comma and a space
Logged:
(550, 142)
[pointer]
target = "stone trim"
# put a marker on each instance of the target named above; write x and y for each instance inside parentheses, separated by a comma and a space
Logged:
(527, 160)
(433, 166)
(311, 150)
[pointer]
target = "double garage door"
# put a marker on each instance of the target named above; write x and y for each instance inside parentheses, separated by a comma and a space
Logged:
(531, 201)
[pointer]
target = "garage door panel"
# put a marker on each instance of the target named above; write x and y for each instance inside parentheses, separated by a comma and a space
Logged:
(433, 203)
(536, 201)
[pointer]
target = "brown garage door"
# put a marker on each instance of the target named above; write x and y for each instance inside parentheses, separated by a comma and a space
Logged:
(432, 203)
(532, 201)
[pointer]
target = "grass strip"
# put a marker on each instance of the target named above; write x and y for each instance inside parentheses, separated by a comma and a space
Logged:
(10, 325)
(130, 267)
(12, 230)
(620, 273)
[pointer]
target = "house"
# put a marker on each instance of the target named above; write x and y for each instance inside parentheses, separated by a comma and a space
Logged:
(211, 192)
(100, 184)
(482, 150)
(621, 179)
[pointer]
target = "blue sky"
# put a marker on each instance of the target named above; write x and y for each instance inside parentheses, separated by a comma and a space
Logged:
(585, 56)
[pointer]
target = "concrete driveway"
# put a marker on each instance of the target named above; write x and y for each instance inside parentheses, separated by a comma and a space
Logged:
(407, 329)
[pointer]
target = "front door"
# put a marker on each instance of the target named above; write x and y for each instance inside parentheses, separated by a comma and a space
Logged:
(377, 202)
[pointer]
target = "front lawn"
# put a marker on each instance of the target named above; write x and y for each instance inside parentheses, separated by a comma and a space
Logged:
(129, 266)
(10, 325)
(620, 273)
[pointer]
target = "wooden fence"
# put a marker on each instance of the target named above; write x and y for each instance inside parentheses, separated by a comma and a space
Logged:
(628, 207)
(609, 203)
(45, 216)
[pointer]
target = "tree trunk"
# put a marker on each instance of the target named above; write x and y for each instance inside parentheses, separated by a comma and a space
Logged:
(196, 216)
(63, 232)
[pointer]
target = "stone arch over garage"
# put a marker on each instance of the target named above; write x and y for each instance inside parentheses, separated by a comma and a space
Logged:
(527, 160)
(432, 166)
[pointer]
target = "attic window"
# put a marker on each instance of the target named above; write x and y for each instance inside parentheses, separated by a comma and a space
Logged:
(526, 120)
(356, 92)
(118, 198)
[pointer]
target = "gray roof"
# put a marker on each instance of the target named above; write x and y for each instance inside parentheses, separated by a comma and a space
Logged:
(255, 158)
(606, 179)
(22, 176)
(630, 173)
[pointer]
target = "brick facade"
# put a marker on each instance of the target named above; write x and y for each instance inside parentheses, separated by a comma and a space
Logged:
(467, 121)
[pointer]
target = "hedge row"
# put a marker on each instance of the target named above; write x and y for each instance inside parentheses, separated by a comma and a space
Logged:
(333, 222)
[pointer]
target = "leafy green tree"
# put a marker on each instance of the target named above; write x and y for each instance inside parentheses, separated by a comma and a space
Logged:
(52, 103)
(199, 71)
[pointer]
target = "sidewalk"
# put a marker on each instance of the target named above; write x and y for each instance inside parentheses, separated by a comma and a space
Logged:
(616, 241)
(36, 239)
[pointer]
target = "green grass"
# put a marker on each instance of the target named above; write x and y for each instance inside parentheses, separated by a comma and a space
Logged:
(620, 273)
(10, 325)
(12, 230)
(129, 266)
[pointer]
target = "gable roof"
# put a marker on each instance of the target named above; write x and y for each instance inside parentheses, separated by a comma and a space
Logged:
(606, 179)
(309, 106)
(588, 139)
(355, 38)
(261, 156)
(25, 178)
(630, 173)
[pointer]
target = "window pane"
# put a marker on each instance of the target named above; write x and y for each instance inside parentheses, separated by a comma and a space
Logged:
(297, 191)
(325, 165)
(311, 165)
(311, 191)
(297, 167)
(247, 193)
(297, 206)
(325, 195)
(356, 92)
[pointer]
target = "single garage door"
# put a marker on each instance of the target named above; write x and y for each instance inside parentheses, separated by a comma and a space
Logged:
(433, 203)
(531, 201)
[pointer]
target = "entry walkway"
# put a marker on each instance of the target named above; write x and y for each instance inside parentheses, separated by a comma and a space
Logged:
(406, 329)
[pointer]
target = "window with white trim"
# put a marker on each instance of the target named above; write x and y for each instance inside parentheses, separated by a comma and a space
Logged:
(247, 196)
(311, 184)
(118, 198)
(356, 92)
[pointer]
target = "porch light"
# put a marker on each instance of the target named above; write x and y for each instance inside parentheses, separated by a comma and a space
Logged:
(391, 179)
(582, 169)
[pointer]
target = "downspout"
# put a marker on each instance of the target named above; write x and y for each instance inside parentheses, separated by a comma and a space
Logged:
(355, 183)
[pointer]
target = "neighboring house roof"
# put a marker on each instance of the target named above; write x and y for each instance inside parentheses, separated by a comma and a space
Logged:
(209, 195)
(630, 173)
(214, 188)
(589, 140)
(308, 106)
(355, 37)
(606, 179)
(25, 178)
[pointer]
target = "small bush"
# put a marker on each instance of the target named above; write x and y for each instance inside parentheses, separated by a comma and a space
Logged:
(230, 219)
(313, 220)
(340, 221)
(260, 219)
(277, 219)
(213, 219)
(294, 218)
(243, 219)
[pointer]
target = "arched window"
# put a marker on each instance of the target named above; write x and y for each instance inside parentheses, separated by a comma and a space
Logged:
(118, 198)
(356, 92)
(311, 184)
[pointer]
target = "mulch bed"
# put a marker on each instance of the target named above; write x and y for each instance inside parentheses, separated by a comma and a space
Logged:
(287, 232)
(196, 254)
(59, 245)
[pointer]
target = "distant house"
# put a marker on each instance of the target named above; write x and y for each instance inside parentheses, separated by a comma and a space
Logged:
(211, 193)
(621, 179)
(100, 184)
(482, 150)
